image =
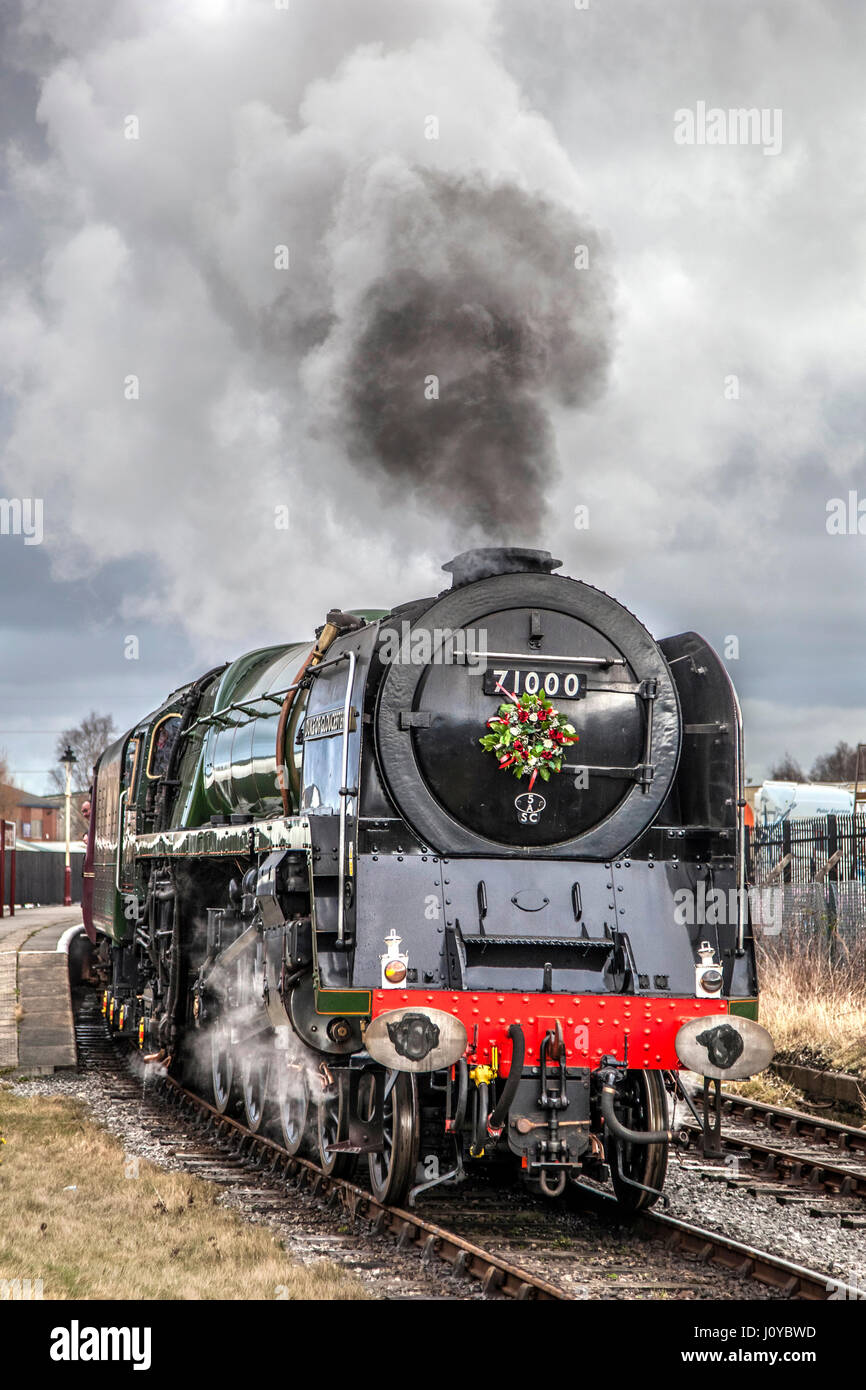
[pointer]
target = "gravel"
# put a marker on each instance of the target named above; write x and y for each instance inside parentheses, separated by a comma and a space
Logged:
(820, 1243)
(567, 1248)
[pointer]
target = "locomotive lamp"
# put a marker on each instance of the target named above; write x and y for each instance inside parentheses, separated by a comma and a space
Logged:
(395, 963)
(708, 976)
(68, 760)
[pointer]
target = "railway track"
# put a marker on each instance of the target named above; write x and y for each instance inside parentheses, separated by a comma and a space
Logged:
(300, 1175)
(712, 1252)
(218, 1145)
(801, 1160)
(793, 1124)
(792, 1170)
(234, 1148)
(792, 1280)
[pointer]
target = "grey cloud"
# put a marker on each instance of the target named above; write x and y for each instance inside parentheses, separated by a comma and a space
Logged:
(156, 257)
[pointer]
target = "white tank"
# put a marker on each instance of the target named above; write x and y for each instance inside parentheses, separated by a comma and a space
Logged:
(775, 801)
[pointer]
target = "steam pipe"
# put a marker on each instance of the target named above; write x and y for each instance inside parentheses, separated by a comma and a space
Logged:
(503, 1105)
(335, 623)
(621, 1131)
(482, 1093)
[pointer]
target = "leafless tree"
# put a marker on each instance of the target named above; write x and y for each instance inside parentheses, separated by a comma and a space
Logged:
(8, 792)
(87, 741)
(787, 769)
(838, 766)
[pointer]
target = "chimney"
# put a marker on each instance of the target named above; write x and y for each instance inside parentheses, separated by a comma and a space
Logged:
(488, 561)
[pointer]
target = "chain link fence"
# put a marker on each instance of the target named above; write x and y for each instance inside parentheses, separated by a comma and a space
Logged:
(810, 883)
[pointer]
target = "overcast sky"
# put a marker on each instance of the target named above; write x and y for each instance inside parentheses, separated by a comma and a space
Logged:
(700, 389)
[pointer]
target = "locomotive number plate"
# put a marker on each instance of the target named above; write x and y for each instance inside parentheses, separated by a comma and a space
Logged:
(535, 680)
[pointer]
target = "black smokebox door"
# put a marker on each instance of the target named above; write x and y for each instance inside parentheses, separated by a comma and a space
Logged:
(467, 780)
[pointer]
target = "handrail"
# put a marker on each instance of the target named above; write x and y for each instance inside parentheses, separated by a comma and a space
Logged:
(217, 716)
(740, 808)
(547, 660)
(120, 829)
(345, 793)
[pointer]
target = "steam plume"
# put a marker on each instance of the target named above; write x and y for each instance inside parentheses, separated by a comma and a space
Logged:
(252, 385)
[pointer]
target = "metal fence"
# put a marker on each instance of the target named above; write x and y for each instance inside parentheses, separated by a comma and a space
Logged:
(811, 878)
(39, 876)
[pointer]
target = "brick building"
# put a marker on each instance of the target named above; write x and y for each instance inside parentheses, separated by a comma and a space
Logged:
(36, 817)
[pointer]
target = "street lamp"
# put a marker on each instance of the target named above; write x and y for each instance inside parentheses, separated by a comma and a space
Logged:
(67, 760)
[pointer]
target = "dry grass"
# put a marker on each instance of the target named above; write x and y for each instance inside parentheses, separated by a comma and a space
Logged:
(71, 1216)
(815, 1005)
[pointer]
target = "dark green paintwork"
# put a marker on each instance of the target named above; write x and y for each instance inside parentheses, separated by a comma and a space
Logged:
(355, 1003)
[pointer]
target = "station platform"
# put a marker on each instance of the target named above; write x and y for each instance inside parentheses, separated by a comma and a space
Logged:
(37, 1032)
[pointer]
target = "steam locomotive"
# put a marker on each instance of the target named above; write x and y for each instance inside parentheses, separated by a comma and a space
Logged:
(322, 894)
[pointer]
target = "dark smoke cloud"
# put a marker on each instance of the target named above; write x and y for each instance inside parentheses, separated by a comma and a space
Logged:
(508, 325)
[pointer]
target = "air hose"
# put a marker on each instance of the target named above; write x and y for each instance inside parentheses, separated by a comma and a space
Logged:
(509, 1091)
(462, 1094)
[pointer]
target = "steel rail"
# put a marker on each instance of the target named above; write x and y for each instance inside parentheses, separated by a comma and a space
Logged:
(794, 1280)
(792, 1122)
(496, 1275)
(798, 1169)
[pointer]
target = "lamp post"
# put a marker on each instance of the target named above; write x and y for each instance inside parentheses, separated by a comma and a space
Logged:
(68, 760)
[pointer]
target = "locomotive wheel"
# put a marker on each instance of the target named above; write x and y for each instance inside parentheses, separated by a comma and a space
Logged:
(222, 1067)
(393, 1170)
(255, 1070)
(643, 1106)
(293, 1106)
(329, 1111)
